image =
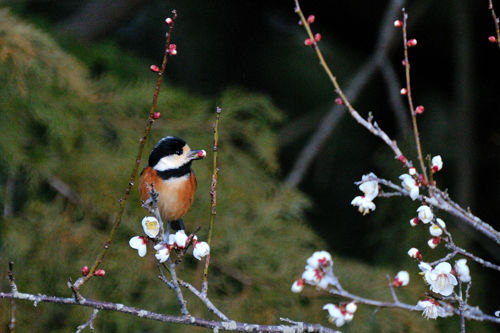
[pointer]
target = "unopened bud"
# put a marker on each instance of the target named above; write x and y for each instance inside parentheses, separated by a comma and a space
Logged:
(412, 171)
(415, 254)
(433, 242)
(403, 62)
(169, 21)
(310, 19)
(339, 101)
(172, 49)
(398, 24)
(156, 115)
(492, 39)
(411, 42)
(85, 270)
(402, 159)
(403, 91)
(414, 221)
(317, 37)
(100, 272)
(154, 68)
(308, 42)
(419, 109)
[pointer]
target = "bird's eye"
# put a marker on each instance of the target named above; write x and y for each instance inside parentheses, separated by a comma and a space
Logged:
(179, 152)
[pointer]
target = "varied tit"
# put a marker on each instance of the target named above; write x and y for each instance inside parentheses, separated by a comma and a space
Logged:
(169, 170)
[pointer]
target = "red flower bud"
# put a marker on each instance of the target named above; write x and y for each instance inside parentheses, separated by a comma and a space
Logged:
(402, 159)
(339, 101)
(492, 39)
(411, 42)
(100, 272)
(85, 270)
(310, 19)
(317, 37)
(419, 109)
(403, 62)
(398, 24)
(403, 91)
(308, 42)
(156, 115)
(154, 68)
(169, 21)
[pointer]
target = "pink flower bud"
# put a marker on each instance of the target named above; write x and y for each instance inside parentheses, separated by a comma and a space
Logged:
(169, 21)
(100, 272)
(339, 101)
(414, 221)
(308, 42)
(300, 23)
(419, 109)
(156, 115)
(402, 159)
(398, 24)
(154, 68)
(403, 62)
(411, 42)
(85, 270)
(172, 49)
(317, 37)
(403, 91)
(492, 39)
(433, 242)
(310, 19)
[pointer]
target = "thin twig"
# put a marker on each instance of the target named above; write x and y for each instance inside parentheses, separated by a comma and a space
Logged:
(203, 297)
(88, 323)
(495, 19)
(133, 174)
(410, 99)
(331, 119)
(213, 200)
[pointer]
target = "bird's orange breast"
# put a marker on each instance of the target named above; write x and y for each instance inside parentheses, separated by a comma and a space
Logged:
(175, 197)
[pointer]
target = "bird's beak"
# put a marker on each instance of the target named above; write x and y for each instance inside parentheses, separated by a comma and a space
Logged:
(196, 154)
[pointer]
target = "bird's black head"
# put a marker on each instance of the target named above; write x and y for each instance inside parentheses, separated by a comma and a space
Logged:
(172, 153)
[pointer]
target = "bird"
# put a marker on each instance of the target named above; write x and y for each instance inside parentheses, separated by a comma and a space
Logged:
(169, 171)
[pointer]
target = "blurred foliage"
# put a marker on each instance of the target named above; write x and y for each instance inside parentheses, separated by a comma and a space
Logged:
(60, 119)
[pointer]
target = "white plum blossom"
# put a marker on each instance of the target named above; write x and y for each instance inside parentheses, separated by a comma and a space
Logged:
(340, 314)
(431, 309)
(151, 226)
(401, 279)
(370, 191)
(364, 205)
(497, 313)
(316, 277)
(425, 214)
(462, 270)
(436, 230)
(318, 259)
(410, 185)
(163, 252)
(200, 250)
(298, 286)
(436, 163)
(439, 278)
(140, 244)
(334, 314)
(178, 239)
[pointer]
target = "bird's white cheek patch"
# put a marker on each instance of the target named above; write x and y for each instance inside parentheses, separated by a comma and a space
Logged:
(169, 162)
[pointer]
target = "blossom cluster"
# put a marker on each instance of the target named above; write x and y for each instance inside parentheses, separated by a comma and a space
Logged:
(179, 240)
